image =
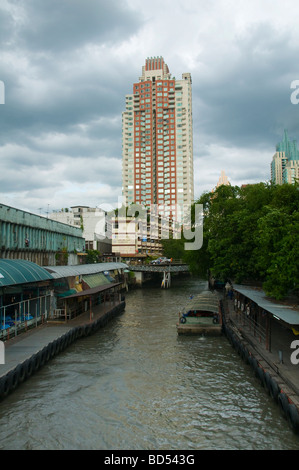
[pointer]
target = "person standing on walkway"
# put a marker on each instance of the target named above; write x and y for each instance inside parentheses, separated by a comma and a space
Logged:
(227, 288)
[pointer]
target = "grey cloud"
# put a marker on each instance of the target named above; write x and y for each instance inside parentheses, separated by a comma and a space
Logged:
(6, 22)
(102, 170)
(52, 81)
(67, 66)
(16, 179)
(58, 26)
(243, 99)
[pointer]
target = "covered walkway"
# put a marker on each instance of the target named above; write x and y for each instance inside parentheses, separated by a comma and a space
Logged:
(39, 345)
(270, 327)
(24, 296)
(105, 296)
(18, 271)
(31, 294)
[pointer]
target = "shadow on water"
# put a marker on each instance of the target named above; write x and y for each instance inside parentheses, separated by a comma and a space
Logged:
(136, 384)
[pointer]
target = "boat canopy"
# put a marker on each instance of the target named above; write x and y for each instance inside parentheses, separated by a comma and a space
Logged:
(206, 301)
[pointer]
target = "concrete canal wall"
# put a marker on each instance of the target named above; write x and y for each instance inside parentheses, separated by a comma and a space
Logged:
(279, 389)
(31, 352)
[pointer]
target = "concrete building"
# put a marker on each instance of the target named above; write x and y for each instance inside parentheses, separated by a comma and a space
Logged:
(132, 237)
(278, 164)
(94, 222)
(157, 140)
(124, 238)
(291, 172)
(31, 237)
(140, 236)
(285, 161)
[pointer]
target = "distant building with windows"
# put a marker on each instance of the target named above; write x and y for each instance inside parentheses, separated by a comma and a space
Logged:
(291, 172)
(93, 221)
(141, 236)
(285, 162)
(157, 140)
(223, 180)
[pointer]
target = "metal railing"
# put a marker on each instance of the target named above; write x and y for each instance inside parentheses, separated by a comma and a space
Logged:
(20, 316)
(249, 323)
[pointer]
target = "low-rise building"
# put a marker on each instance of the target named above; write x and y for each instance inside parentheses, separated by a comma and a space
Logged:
(31, 237)
(93, 221)
(140, 236)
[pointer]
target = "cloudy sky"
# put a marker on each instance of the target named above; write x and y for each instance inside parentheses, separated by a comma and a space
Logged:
(66, 66)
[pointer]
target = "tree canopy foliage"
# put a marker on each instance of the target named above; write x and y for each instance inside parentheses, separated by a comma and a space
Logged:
(93, 256)
(250, 233)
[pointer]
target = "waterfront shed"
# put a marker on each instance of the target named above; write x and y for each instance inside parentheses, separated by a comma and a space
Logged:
(24, 294)
(77, 288)
(263, 314)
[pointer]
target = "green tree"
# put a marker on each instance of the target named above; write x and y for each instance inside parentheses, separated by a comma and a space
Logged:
(93, 256)
(278, 248)
(251, 234)
(173, 248)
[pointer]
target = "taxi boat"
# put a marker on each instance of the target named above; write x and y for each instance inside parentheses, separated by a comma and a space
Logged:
(201, 315)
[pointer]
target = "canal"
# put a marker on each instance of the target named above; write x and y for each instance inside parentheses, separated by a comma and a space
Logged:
(136, 385)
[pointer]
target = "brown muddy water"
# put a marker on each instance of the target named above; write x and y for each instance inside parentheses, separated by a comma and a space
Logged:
(135, 384)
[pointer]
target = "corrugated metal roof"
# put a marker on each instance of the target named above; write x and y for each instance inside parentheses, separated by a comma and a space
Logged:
(18, 271)
(94, 290)
(79, 270)
(283, 312)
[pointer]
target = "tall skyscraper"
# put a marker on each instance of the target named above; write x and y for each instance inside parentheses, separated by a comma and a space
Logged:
(157, 139)
(285, 162)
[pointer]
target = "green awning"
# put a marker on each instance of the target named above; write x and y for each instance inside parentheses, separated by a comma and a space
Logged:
(95, 280)
(67, 293)
(18, 271)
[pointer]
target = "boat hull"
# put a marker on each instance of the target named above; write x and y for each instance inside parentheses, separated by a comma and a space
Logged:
(193, 329)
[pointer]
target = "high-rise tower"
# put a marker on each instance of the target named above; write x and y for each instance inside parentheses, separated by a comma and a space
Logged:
(157, 139)
(285, 162)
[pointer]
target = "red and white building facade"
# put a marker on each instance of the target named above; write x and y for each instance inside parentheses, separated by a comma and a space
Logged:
(157, 140)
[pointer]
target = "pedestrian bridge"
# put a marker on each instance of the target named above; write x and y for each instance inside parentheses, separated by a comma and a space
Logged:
(145, 272)
(160, 268)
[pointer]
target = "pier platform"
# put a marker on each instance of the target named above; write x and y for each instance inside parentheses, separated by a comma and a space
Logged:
(272, 364)
(27, 352)
(279, 356)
